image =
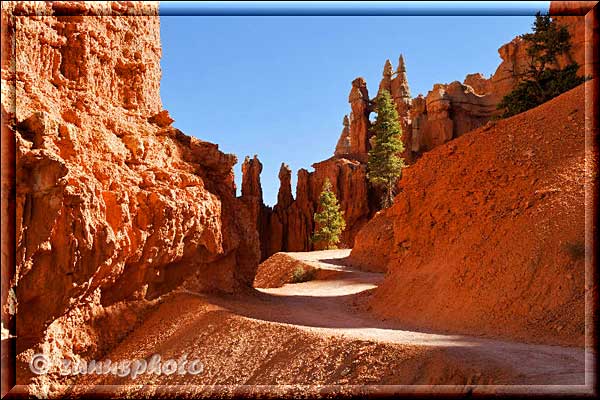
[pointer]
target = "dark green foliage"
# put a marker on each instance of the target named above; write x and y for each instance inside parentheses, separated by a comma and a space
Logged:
(543, 81)
(329, 219)
(385, 164)
(531, 93)
(547, 41)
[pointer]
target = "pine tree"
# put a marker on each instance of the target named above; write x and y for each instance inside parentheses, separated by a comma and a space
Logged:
(329, 219)
(385, 164)
(543, 80)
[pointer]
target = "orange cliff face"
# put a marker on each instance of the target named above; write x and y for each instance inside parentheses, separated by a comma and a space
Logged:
(113, 204)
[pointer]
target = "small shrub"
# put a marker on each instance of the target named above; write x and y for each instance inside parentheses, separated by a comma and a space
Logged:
(576, 250)
(302, 275)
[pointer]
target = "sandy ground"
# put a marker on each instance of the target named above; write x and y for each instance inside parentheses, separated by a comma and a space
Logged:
(320, 333)
(321, 306)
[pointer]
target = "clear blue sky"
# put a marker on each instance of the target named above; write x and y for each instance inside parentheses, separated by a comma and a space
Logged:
(278, 86)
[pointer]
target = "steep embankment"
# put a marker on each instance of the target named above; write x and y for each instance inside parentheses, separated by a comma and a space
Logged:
(113, 204)
(280, 269)
(313, 334)
(488, 233)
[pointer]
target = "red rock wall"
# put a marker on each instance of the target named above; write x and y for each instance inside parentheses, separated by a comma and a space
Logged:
(448, 112)
(112, 203)
(454, 109)
(289, 225)
(581, 24)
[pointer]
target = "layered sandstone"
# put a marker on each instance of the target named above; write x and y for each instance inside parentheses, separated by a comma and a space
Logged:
(447, 112)
(113, 204)
(450, 110)
(488, 232)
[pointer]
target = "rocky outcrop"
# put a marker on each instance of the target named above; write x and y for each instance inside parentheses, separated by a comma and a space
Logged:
(400, 92)
(354, 141)
(251, 187)
(396, 83)
(284, 196)
(582, 25)
(343, 145)
(288, 226)
(289, 223)
(252, 197)
(349, 183)
(113, 204)
(447, 112)
(495, 216)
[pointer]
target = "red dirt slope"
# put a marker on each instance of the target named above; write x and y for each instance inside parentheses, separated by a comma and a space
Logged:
(488, 231)
(278, 270)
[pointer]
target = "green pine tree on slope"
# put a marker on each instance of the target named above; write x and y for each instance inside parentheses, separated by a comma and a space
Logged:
(329, 220)
(543, 80)
(385, 164)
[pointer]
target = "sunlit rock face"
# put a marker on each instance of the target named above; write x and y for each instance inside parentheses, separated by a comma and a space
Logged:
(112, 202)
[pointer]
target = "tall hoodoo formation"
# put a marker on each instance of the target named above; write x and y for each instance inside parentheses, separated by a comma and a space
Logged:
(401, 95)
(359, 120)
(386, 80)
(252, 197)
(343, 144)
(284, 196)
(251, 169)
(113, 204)
(399, 89)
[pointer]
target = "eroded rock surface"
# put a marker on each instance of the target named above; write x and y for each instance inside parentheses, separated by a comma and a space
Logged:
(113, 204)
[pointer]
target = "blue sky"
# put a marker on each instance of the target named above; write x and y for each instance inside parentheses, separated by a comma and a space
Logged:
(278, 86)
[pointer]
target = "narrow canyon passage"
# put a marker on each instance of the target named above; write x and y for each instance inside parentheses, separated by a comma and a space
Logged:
(137, 235)
(320, 332)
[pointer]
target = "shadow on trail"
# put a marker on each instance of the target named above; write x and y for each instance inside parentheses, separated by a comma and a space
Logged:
(334, 261)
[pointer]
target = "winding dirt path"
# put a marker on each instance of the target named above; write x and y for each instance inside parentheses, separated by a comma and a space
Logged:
(322, 333)
(322, 306)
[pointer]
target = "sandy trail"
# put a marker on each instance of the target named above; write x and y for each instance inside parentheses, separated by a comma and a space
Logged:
(321, 333)
(322, 306)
